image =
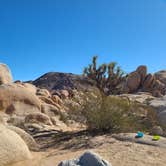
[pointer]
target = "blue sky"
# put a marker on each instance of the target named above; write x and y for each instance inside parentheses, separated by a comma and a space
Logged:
(38, 36)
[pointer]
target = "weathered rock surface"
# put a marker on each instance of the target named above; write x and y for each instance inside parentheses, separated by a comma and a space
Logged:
(28, 86)
(15, 98)
(43, 92)
(159, 104)
(12, 147)
(161, 75)
(141, 81)
(157, 130)
(149, 82)
(38, 118)
(133, 81)
(87, 159)
(28, 139)
(50, 110)
(5, 75)
(142, 71)
(162, 119)
(140, 97)
(146, 140)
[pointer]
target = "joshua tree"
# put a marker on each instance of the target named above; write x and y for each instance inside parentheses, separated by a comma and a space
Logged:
(106, 76)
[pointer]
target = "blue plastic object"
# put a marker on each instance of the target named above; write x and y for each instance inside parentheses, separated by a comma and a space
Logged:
(139, 134)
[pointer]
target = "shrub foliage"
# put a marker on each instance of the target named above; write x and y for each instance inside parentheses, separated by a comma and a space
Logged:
(118, 115)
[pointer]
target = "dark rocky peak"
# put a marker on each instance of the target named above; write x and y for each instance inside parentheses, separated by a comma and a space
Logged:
(59, 81)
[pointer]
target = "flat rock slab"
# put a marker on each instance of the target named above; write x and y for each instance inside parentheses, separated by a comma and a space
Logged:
(147, 139)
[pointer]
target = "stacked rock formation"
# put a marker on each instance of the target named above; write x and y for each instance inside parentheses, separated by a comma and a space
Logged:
(141, 81)
(25, 106)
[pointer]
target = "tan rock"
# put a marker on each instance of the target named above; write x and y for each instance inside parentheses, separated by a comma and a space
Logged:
(149, 81)
(5, 74)
(50, 110)
(49, 101)
(140, 97)
(133, 81)
(43, 92)
(161, 75)
(12, 147)
(16, 120)
(56, 99)
(162, 119)
(16, 98)
(38, 118)
(64, 93)
(159, 85)
(157, 130)
(156, 93)
(30, 87)
(58, 123)
(142, 70)
(28, 139)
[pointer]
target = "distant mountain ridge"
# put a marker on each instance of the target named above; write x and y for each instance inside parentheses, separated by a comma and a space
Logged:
(59, 81)
(137, 81)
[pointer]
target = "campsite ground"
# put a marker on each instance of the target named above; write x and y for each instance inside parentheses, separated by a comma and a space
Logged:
(118, 153)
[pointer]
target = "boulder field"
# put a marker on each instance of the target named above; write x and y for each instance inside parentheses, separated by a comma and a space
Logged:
(32, 111)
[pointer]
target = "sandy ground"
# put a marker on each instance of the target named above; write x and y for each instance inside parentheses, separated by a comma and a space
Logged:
(118, 153)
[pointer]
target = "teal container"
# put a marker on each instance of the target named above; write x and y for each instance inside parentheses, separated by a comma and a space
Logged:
(139, 134)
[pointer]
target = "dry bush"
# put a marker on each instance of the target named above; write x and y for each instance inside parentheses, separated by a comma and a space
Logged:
(111, 113)
(119, 115)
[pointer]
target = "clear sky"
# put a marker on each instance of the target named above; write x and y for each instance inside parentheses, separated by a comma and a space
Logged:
(38, 36)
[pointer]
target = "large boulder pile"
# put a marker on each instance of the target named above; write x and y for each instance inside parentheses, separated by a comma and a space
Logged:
(141, 81)
(26, 106)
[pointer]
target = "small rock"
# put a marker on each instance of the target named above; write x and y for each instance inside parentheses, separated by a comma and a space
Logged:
(64, 93)
(87, 159)
(157, 130)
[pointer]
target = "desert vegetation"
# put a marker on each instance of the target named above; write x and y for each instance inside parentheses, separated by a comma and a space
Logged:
(106, 76)
(111, 113)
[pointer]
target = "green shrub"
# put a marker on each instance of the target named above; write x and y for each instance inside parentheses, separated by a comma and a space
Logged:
(118, 115)
(110, 113)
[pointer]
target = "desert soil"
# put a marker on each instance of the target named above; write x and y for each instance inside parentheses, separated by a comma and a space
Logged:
(118, 153)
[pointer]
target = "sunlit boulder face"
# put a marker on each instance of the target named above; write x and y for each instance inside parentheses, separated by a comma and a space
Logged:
(161, 75)
(141, 81)
(5, 74)
(12, 147)
(28, 139)
(15, 98)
